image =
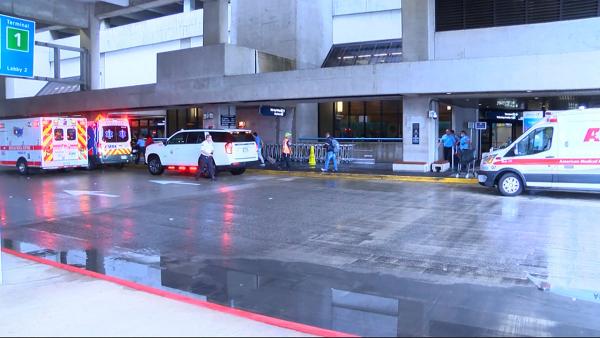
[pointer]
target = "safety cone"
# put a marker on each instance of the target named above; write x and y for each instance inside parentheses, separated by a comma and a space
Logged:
(311, 159)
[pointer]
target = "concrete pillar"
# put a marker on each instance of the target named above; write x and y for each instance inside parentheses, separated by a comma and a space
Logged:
(216, 14)
(418, 30)
(415, 116)
(301, 30)
(189, 5)
(306, 120)
(460, 121)
(90, 40)
(218, 110)
(2, 88)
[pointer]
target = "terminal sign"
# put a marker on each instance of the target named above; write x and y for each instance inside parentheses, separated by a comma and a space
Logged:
(272, 111)
(16, 46)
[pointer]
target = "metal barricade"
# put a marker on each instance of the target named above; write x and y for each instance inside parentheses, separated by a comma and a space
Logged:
(301, 152)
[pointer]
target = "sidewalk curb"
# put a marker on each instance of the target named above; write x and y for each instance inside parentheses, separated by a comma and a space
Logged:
(366, 177)
(303, 328)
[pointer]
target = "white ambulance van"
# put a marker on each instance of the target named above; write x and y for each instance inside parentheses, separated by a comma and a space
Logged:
(43, 142)
(109, 142)
(561, 152)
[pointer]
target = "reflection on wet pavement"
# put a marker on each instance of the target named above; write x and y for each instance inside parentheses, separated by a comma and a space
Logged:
(364, 304)
(367, 258)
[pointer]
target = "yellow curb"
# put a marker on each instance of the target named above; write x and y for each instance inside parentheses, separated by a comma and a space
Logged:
(366, 177)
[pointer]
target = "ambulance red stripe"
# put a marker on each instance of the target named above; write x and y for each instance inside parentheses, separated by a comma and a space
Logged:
(9, 148)
(31, 164)
(549, 161)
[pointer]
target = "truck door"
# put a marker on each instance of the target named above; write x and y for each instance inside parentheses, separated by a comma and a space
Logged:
(535, 156)
(175, 150)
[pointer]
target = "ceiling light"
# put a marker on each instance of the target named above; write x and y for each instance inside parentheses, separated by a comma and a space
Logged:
(448, 107)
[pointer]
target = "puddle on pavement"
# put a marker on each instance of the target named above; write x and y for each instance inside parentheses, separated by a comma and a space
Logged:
(357, 303)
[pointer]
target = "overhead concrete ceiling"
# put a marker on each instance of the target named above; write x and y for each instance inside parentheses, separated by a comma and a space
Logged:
(64, 18)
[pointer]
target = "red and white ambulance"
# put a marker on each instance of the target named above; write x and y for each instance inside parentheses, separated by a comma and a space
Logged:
(43, 142)
(561, 152)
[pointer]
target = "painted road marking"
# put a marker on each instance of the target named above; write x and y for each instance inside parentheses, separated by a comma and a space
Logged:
(174, 182)
(89, 193)
(367, 177)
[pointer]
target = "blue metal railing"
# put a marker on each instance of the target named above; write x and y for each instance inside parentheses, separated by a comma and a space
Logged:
(353, 139)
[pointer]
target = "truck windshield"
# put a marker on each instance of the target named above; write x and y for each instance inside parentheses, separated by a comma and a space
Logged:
(115, 134)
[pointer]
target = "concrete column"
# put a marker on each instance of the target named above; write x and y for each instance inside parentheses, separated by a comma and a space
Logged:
(418, 30)
(2, 88)
(460, 121)
(218, 111)
(90, 40)
(415, 113)
(306, 117)
(216, 14)
(301, 30)
(189, 5)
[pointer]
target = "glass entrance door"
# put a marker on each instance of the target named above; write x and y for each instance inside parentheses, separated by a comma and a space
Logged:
(502, 134)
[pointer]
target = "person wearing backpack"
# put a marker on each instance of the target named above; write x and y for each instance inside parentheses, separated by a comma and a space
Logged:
(333, 149)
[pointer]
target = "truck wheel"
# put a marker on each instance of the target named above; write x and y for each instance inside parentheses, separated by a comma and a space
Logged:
(510, 185)
(239, 171)
(22, 167)
(154, 166)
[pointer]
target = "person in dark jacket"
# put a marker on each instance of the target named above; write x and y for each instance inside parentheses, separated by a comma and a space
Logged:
(331, 153)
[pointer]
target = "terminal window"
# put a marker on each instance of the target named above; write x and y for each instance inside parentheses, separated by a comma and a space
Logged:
(364, 53)
(468, 14)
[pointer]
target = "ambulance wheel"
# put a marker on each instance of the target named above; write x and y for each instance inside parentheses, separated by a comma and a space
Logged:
(155, 166)
(510, 185)
(22, 167)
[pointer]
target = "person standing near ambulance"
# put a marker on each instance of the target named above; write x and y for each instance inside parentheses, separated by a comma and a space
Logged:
(207, 150)
(141, 144)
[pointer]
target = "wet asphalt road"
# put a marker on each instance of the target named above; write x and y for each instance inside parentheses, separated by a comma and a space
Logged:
(365, 257)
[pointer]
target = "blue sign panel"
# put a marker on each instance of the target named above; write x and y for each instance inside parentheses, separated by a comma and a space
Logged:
(272, 111)
(17, 39)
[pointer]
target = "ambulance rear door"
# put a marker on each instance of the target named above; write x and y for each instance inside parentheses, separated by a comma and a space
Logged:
(68, 146)
(579, 155)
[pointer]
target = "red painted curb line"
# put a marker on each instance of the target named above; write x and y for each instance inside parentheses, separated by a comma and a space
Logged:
(312, 330)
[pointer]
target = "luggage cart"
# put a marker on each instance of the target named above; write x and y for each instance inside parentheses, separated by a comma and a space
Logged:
(468, 162)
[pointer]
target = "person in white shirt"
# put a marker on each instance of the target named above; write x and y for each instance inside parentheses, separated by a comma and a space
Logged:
(207, 150)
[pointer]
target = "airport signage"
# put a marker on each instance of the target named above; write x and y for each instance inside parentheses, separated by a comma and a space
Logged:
(272, 111)
(228, 122)
(481, 125)
(17, 39)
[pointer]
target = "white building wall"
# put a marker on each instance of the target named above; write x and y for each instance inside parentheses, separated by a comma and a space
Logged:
(366, 20)
(381, 25)
(344, 7)
(545, 38)
(134, 66)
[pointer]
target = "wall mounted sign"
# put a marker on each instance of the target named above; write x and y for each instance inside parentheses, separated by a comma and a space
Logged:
(272, 111)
